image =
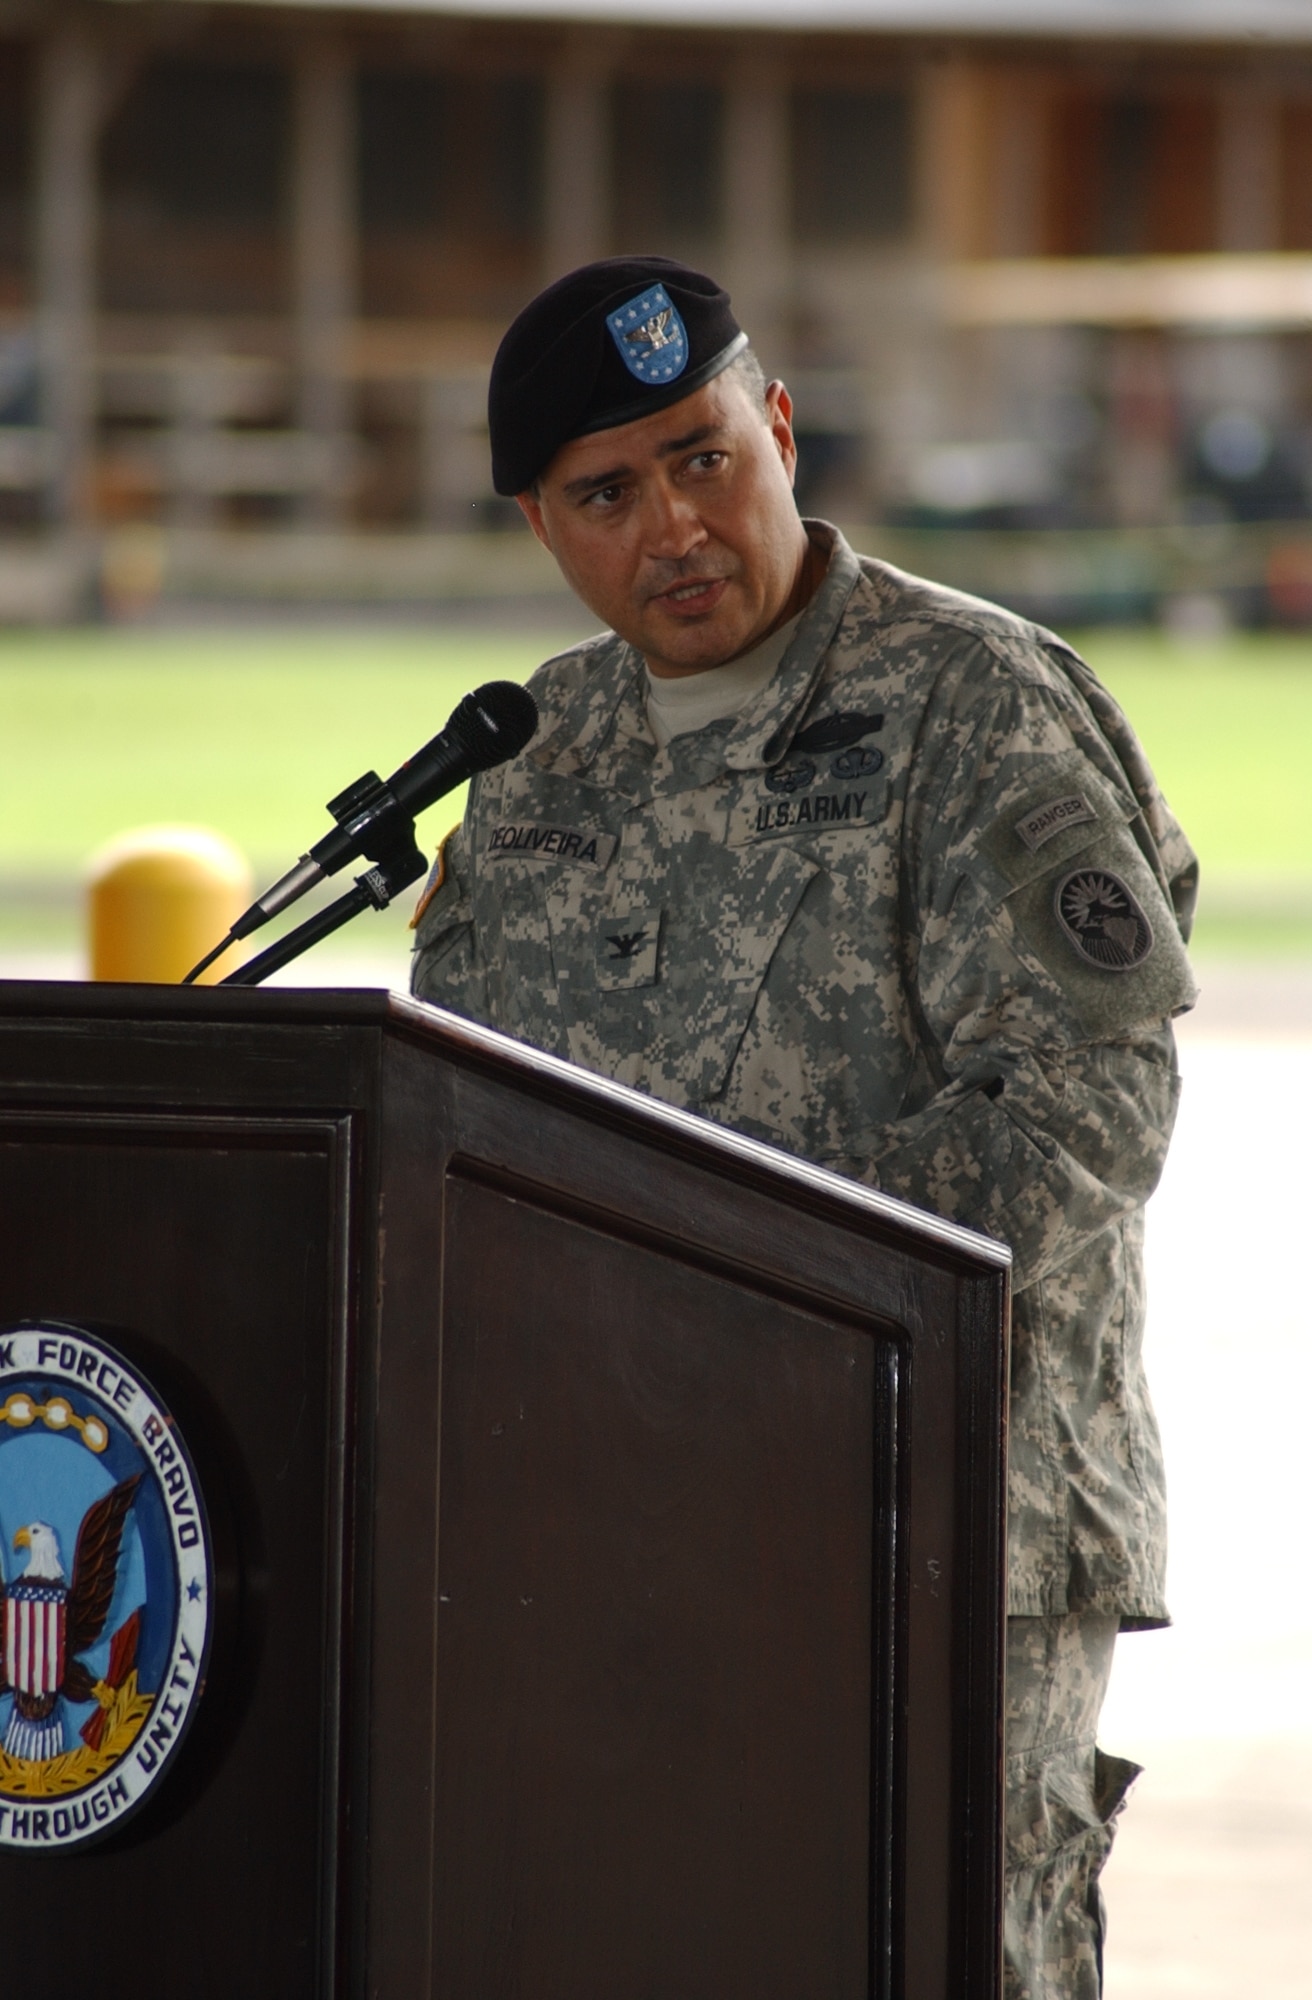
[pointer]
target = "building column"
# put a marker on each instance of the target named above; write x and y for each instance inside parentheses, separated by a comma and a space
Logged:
(577, 207)
(758, 205)
(952, 180)
(931, 373)
(196, 408)
(1140, 443)
(1248, 171)
(453, 447)
(68, 111)
(325, 268)
(1016, 223)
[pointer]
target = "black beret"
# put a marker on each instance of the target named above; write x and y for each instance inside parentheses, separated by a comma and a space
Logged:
(602, 346)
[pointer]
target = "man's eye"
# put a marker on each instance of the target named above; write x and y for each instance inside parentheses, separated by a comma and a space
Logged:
(708, 461)
(604, 496)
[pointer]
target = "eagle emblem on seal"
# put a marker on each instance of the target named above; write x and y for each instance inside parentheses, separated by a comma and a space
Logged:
(47, 1623)
(106, 1588)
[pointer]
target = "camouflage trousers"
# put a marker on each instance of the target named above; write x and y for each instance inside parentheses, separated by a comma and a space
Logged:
(1063, 1795)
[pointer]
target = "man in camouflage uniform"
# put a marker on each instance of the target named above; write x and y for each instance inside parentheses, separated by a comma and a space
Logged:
(915, 911)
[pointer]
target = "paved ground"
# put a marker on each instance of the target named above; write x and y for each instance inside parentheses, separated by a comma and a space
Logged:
(1210, 1884)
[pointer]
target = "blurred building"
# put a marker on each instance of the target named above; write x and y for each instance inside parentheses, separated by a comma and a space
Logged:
(1032, 267)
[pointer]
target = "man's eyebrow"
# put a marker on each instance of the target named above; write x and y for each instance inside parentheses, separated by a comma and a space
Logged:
(590, 482)
(699, 436)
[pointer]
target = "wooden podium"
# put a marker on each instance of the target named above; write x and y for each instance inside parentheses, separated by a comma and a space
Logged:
(608, 1513)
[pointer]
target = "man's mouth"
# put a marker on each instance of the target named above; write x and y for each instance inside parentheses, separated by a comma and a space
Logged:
(699, 593)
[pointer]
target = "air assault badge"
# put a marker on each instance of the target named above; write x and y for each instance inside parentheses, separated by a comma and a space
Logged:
(106, 1583)
(793, 776)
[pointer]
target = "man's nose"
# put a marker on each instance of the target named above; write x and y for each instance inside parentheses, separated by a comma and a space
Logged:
(673, 527)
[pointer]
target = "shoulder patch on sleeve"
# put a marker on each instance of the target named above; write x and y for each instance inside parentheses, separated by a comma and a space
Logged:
(1102, 920)
(1100, 926)
(1060, 812)
(436, 878)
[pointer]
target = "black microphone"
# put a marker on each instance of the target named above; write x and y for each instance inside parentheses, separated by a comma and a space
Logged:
(486, 728)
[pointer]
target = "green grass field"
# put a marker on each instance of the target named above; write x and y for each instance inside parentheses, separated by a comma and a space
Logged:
(252, 731)
(247, 732)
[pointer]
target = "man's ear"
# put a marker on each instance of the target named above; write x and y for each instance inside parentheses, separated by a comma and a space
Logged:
(530, 506)
(779, 417)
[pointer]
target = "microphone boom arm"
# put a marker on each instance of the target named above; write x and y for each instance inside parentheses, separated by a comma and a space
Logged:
(402, 866)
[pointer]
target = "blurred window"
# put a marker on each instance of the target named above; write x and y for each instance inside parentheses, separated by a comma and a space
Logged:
(1122, 186)
(449, 166)
(15, 153)
(513, 119)
(15, 131)
(203, 142)
(401, 126)
(1296, 178)
(458, 154)
(852, 165)
(1130, 176)
(1182, 190)
(668, 140)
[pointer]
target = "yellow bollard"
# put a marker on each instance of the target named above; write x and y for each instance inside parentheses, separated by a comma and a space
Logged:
(158, 898)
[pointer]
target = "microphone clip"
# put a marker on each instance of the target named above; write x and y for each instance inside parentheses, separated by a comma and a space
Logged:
(371, 815)
(382, 830)
(397, 864)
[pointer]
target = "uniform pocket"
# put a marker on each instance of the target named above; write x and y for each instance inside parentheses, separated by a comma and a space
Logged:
(660, 998)
(718, 953)
(1053, 1921)
(628, 950)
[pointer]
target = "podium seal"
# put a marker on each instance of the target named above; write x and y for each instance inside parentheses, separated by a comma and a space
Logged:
(106, 1586)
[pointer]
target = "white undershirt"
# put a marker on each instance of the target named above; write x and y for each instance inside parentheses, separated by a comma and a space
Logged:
(678, 706)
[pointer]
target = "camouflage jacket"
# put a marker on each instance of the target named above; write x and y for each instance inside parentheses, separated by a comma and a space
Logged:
(918, 914)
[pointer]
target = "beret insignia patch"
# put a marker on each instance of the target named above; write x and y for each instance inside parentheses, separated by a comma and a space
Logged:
(1102, 920)
(650, 336)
